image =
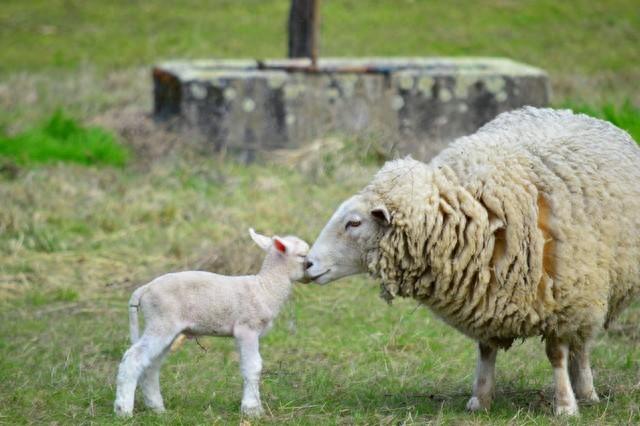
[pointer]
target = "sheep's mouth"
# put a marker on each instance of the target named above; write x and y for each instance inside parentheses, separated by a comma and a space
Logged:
(315, 277)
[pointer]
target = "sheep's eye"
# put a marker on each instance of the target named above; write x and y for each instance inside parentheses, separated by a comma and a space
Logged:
(353, 224)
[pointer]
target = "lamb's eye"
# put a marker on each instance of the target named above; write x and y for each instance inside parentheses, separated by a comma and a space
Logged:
(353, 224)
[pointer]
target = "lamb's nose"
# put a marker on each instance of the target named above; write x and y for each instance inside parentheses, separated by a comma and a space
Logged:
(308, 264)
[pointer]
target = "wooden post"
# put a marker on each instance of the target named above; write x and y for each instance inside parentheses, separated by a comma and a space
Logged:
(315, 30)
(303, 29)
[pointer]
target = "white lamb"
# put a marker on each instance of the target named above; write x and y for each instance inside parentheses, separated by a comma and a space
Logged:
(197, 303)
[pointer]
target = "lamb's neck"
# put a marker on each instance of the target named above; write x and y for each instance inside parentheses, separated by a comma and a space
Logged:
(274, 277)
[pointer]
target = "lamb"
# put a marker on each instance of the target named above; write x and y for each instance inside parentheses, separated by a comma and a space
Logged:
(196, 303)
(529, 227)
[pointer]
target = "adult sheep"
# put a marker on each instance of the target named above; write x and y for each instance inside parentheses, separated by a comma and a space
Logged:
(528, 227)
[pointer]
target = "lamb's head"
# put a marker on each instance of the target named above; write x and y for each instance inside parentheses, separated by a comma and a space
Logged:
(290, 249)
(342, 246)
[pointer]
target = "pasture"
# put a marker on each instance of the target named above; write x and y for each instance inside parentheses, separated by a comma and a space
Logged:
(80, 230)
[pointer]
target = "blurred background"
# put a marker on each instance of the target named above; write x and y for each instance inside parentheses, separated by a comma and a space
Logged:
(96, 198)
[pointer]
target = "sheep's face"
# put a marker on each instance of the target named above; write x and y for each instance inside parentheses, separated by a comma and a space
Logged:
(342, 246)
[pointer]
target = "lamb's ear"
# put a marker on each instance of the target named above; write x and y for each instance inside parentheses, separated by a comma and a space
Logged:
(281, 245)
(381, 214)
(262, 241)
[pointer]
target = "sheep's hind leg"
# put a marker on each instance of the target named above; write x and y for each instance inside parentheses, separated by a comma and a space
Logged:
(558, 355)
(580, 374)
(150, 383)
(134, 362)
(484, 382)
(248, 342)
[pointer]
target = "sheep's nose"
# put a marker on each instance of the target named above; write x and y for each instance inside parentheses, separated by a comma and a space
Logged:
(307, 264)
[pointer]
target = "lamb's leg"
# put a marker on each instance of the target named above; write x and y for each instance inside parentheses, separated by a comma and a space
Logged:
(248, 342)
(580, 373)
(150, 383)
(138, 358)
(558, 354)
(484, 382)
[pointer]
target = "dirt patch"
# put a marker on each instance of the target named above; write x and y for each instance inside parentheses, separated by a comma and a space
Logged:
(136, 128)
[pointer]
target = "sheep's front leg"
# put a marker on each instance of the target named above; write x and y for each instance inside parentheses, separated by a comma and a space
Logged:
(580, 373)
(248, 342)
(565, 400)
(484, 382)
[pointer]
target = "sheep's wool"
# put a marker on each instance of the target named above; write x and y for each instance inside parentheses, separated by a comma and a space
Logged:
(531, 226)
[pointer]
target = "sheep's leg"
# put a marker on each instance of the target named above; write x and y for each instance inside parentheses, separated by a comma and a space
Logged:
(558, 355)
(137, 359)
(248, 343)
(150, 383)
(484, 382)
(580, 373)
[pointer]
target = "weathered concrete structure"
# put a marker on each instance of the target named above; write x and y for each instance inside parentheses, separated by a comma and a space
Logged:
(417, 104)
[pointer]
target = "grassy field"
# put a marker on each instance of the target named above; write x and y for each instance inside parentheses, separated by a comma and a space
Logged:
(92, 56)
(76, 239)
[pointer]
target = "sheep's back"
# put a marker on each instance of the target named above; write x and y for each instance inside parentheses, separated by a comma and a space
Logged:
(577, 178)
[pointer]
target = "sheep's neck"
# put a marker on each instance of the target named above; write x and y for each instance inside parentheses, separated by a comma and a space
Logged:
(274, 276)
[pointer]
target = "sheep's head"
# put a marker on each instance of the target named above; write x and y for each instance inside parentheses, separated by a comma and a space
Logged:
(352, 232)
(291, 249)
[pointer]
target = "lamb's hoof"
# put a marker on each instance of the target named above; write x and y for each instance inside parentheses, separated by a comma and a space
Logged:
(475, 405)
(158, 410)
(252, 411)
(122, 412)
(566, 410)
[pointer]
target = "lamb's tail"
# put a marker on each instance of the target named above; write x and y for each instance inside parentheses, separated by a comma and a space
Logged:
(134, 304)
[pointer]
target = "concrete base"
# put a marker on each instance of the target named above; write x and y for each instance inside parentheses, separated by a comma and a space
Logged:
(417, 105)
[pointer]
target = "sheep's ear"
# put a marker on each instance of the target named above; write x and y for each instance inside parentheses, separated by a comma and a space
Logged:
(280, 245)
(381, 214)
(262, 241)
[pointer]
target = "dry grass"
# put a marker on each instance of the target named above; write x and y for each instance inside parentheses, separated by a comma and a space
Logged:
(75, 241)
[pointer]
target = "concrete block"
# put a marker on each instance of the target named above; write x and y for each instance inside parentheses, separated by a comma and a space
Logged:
(418, 105)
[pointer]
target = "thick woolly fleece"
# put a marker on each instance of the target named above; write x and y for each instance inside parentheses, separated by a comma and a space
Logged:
(531, 226)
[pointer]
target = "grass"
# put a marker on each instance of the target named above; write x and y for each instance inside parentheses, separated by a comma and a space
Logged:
(62, 138)
(89, 57)
(37, 34)
(626, 116)
(338, 354)
(75, 239)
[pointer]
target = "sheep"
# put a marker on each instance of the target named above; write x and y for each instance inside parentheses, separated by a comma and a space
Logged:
(196, 303)
(529, 227)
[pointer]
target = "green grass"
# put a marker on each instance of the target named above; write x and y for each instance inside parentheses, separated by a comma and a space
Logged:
(62, 138)
(92, 56)
(37, 34)
(75, 240)
(626, 116)
(337, 354)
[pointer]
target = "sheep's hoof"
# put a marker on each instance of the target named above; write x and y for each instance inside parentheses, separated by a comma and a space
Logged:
(591, 397)
(566, 410)
(474, 404)
(252, 411)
